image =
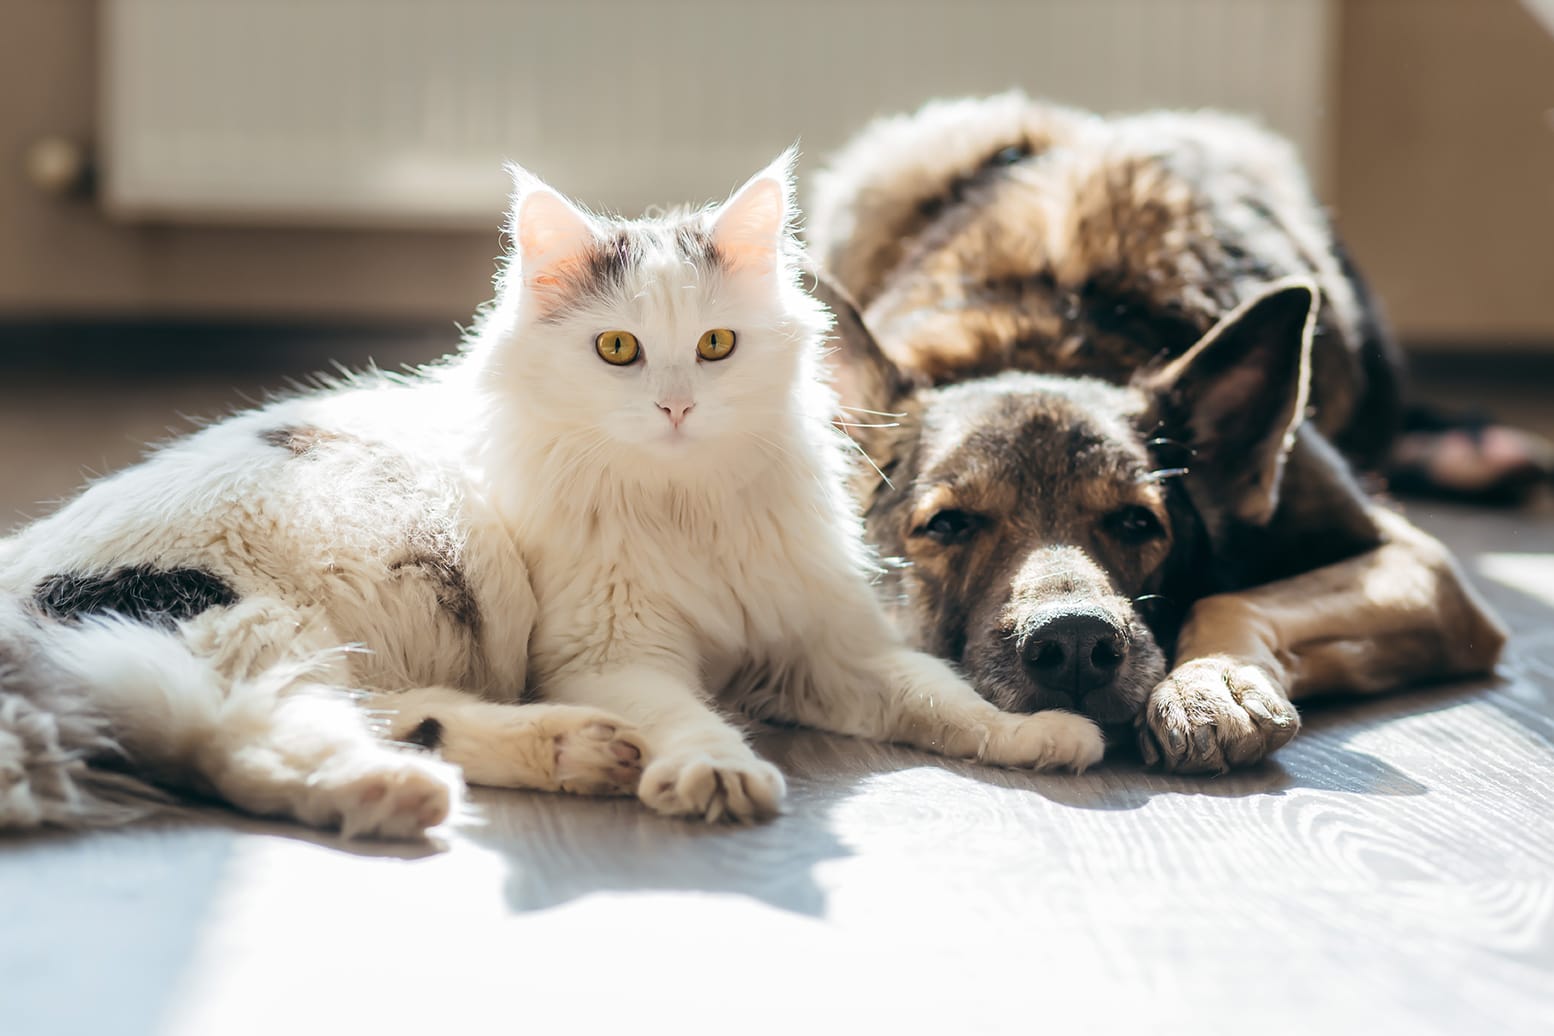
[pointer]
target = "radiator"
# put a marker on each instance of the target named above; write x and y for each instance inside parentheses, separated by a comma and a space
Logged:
(393, 112)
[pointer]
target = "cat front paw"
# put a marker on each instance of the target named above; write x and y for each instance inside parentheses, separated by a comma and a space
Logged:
(1051, 740)
(598, 755)
(713, 785)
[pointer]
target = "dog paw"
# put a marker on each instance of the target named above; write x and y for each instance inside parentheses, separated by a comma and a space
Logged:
(597, 754)
(387, 794)
(1211, 714)
(713, 786)
(1051, 740)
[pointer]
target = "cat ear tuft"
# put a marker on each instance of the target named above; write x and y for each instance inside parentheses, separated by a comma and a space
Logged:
(549, 232)
(748, 229)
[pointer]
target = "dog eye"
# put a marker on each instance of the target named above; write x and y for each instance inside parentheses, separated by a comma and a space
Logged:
(1134, 525)
(950, 527)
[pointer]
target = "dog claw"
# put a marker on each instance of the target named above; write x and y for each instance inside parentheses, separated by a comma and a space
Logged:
(1229, 712)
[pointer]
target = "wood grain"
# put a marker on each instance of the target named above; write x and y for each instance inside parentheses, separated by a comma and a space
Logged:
(1392, 870)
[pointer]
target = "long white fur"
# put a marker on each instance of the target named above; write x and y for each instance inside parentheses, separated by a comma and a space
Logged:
(628, 570)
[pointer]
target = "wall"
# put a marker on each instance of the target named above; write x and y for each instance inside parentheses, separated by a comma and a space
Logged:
(1443, 182)
(1445, 166)
(64, 258)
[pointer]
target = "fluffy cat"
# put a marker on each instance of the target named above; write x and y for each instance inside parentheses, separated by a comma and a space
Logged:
(622, 500)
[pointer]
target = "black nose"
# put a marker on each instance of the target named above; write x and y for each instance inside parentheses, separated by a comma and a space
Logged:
(1074, 652)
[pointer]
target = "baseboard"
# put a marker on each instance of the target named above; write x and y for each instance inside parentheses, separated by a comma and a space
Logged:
(162, 346)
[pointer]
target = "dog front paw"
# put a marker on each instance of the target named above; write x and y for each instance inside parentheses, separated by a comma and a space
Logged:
(1211, 714)
(714, 786)
(1052, 740)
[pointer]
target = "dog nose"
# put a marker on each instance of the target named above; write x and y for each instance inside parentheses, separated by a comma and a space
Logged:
(1074, 652)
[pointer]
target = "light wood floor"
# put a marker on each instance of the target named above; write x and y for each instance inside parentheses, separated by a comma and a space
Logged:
(1391, 871)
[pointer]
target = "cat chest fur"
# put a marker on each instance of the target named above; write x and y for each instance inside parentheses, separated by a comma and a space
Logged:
(717, 582)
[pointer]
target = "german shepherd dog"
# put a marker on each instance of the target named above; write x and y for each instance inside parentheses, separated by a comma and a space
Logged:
(1114, 377)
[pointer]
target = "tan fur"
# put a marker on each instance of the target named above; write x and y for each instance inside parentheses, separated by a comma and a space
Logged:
(1166, 215)
(988, 235)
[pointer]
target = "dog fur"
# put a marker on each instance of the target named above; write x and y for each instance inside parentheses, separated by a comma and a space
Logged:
(1209, 342)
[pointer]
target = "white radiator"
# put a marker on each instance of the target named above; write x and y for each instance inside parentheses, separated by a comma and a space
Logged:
(401, 112)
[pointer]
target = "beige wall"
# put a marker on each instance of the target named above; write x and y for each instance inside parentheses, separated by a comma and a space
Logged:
(65, 257)
(1444, 187)
(1445, 166)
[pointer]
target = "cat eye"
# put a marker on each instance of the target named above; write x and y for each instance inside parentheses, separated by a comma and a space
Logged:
(950, 527)
(1134, 525)
(715, 344)
(617, 347)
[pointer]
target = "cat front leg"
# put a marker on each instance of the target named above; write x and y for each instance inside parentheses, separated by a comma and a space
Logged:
(570, 748)
(698, 763)
(871, 686)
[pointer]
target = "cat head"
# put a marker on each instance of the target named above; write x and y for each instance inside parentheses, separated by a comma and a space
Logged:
(679, 341)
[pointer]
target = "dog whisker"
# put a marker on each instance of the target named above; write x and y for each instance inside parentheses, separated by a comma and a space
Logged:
(1163, 441)
(1161, 474)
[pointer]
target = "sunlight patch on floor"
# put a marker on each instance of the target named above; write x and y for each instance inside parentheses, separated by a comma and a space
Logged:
(1531, 574)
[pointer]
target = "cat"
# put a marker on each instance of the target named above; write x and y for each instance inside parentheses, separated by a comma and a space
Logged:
(550, 559)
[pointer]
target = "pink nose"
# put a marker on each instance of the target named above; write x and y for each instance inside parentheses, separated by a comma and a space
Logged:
(676, 412)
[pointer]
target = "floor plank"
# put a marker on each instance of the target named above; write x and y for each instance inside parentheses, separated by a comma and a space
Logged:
(1392, 870)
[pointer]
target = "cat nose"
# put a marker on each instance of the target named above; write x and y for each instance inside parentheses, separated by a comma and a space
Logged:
(676, 411)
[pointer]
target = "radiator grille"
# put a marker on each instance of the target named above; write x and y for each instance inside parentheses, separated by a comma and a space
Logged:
(398, 112)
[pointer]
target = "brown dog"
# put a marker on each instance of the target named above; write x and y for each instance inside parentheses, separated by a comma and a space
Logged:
(1062, 534)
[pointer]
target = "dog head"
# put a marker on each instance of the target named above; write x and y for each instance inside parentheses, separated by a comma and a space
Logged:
(1046, 525)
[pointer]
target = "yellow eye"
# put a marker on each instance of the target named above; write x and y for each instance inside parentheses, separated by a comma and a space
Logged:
(617, 347)
(715, 344)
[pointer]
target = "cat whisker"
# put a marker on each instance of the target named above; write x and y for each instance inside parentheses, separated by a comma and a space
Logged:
(775, 446)
(876, 413)
(877, 470)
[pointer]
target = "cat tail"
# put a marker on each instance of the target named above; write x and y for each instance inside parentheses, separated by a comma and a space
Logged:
(61, 688)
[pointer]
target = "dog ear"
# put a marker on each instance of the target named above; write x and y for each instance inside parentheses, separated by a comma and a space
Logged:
(865, 378)
(1239, 395)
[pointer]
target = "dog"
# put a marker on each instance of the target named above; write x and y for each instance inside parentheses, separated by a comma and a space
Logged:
(1114, 378)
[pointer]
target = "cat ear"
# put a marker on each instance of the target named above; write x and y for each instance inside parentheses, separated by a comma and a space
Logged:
(749, 228)
(550, 234)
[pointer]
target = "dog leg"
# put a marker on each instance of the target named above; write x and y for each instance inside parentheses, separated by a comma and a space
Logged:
(569, 748)
(700, 764)
(1397, 614)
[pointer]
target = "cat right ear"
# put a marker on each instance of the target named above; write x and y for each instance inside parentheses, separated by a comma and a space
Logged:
(551, 236)
(748, 229)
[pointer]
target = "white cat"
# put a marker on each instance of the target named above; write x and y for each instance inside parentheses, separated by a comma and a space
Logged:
(624, 498)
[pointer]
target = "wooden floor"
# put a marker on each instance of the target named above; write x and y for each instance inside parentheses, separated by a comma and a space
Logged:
(1391, 871)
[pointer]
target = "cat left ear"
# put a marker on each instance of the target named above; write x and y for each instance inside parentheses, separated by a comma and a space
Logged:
(749, 227)
(550, 234)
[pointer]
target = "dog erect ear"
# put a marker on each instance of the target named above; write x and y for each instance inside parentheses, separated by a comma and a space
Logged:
(1240, 394)
(863, 375)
